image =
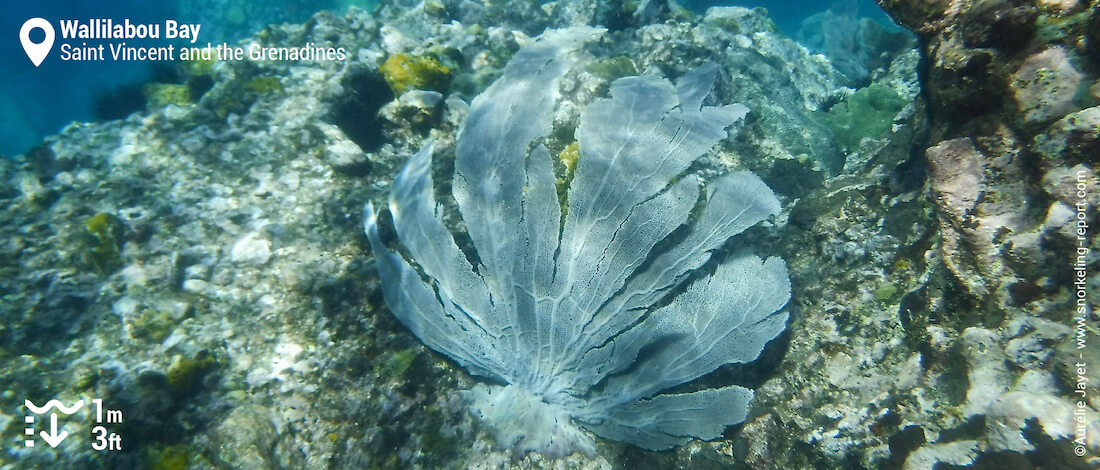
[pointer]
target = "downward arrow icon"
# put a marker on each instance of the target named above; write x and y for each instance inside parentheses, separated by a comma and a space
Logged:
(53, 438)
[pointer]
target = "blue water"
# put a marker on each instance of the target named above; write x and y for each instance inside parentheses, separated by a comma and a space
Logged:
(37, 102)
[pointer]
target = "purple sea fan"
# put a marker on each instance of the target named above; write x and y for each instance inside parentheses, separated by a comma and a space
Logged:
(582, 319)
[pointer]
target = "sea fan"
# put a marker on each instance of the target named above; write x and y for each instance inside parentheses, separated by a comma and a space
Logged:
(582, 323)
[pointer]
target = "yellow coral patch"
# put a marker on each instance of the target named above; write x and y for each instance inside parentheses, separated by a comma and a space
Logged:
(404, 72)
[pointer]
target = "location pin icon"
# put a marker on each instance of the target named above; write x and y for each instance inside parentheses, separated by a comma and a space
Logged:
(37, 52)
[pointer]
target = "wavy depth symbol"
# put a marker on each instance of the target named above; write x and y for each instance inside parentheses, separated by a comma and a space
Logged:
(52, 404)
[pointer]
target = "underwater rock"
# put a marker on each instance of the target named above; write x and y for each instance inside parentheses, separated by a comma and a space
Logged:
(739, 20)
(1060, 220)
(999, 24)
(956, 176)
(253, 248)
(987, 374)
(934, 456)
(564, 13)
(1045, 85)
(1072, 140)
(347, 157)
(1061, 183)
(1034, 349)
(1063, 6)
(956, 179)
(922, 17)
(798, 152)
(1012, 419)
(999, 74)
(414, 109)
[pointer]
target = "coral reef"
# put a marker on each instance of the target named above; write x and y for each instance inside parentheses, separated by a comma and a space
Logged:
(930, 240)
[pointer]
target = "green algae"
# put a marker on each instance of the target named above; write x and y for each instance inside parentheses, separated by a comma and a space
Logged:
(171, 457)
(199, 67)
(264, 85)
(396, 365)
(159, 95)
(868, 112)
(103, 250)
(239, 95)
(885, 292)
(613, 68)
(154, 325)
(185, 374)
